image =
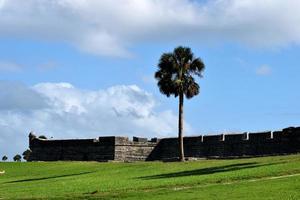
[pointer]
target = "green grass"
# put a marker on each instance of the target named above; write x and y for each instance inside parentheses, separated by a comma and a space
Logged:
(275, 177)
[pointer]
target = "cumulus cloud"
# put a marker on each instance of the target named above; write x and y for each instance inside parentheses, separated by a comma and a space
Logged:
(61, 110)
(264, 70)
(110, 28)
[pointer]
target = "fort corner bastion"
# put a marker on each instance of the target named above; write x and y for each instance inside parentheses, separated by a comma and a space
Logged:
(286, 141)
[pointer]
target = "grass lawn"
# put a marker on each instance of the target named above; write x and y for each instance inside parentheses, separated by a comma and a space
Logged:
(275, 177)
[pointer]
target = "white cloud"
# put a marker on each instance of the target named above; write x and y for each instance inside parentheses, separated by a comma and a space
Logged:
(110, 28)
(61, 110)
(264, 70)
(10, 66)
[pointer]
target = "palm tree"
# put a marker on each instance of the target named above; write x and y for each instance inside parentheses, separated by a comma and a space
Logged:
(175, 77)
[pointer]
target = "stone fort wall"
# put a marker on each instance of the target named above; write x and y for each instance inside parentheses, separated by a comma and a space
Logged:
(286, 141)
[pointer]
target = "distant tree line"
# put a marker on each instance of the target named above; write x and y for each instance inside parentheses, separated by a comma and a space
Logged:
(18, 157)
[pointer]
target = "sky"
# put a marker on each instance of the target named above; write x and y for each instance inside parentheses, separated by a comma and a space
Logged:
(85, 68)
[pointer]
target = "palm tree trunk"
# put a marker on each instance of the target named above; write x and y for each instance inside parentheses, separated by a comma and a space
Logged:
(180, 128)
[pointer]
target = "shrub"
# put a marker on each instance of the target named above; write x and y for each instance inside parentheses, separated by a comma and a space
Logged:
(17, 158)
(26, 154)
(42, 137)
(4, 158)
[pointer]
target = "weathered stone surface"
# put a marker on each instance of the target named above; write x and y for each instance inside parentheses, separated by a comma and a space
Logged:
(286, 141)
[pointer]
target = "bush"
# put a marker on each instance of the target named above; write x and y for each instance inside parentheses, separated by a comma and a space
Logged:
(4, 158)
(42, 137)
(26, 154)
(17, 158)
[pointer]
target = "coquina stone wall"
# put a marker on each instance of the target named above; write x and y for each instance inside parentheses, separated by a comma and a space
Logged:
(286, 141)
(100, 149)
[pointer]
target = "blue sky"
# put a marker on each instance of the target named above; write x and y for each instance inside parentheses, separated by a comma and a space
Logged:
(84, 69)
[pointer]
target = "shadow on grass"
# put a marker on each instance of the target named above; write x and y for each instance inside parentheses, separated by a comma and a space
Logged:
(49, 177)
(209, 170)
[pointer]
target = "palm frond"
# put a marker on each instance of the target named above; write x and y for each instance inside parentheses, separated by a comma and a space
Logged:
(175, 70)
(197, 67)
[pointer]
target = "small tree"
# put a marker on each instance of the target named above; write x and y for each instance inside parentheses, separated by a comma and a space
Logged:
(17, 158)
(4, 158)
(26, 154)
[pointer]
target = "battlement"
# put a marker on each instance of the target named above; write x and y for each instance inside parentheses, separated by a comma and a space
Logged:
(286, 141)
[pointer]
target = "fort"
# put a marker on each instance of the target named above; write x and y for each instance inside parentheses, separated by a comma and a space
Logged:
(286, 141)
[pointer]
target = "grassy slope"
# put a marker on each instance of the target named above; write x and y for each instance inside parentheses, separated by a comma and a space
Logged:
(207, 179)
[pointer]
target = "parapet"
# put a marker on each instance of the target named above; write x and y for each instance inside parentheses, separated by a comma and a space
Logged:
(236, 137)
(213, 138)
(139, 139)
(119, 148)
(31, 135)
(260, 136)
